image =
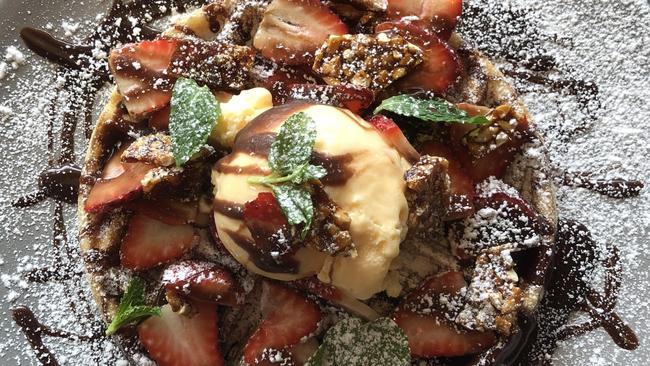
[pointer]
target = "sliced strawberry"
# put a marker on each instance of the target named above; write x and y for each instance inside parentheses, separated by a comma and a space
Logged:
(461, 203)
(149, 243)
(393, 135)
(354, 98)
(441, 66)
(114, 166)
(429, 332)
(159, 120)
(444, 14)
(169, 211)
(173, 339)
(289, 317)
(292, 30)
(336, 296)
(290, 74)
(203, 281)
(106, 194)
(137, 67)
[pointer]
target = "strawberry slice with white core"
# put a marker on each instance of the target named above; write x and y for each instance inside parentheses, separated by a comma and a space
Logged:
(292, 30)
(393, 135)
(173, 339)
(106, 194)
(443, 13)
(149, 243)
(141, 74)
(203, 281)
(429, 333)
(289, 318)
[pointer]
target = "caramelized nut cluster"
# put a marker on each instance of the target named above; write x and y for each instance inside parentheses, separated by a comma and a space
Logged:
(371, 61)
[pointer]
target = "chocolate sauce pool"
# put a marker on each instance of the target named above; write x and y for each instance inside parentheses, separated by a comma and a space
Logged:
(575, 255)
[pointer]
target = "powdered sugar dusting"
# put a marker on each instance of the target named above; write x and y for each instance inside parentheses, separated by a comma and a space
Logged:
(604, 134)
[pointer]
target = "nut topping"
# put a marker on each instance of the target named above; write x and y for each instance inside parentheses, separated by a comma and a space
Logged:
(371, 61)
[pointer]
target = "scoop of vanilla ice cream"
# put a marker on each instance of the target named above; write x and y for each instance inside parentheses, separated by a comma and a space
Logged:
(365, 178)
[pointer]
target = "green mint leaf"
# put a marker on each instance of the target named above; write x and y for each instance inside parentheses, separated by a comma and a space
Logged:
(294, 144)
(131, 307)
(307, 173)
(431, 110)
(295, 202)
(194, 111)
(351, 342)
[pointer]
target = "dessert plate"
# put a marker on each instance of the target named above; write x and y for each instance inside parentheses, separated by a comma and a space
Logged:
(66, 246)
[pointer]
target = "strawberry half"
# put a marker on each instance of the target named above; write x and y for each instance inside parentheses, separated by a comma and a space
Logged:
(441, 66)
(149, 243)
(393, 135)
(443, 14)
(429, 333)
(463, 192)
(292, 30)
(289, 317)
(137, 68)
(106, 194)
(173, 339)
(354, 98)
(202, 281)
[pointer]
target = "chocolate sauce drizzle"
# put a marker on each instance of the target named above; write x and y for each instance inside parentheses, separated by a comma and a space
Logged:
(538, 336)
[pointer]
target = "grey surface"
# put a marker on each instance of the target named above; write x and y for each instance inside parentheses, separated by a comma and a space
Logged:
(621, 69)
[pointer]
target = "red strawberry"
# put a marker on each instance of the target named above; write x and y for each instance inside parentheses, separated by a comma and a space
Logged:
(202, 281)
(159, 120)
(429, 333)
(461, 203)
(136, 67)
(290, 74)
(173, 339)
(289, 317)
(149, 243)
(292, 30)
(114, 166)
(392, 134)
(169, 211)
(354, 98)
(441, 66)
(109, 193)
(336, 296)
(443, 14)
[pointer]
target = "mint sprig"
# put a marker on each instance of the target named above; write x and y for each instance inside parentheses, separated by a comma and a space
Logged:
(430, 110)
(132, 307)
(289, 160)
(351, 342)
(194, 112)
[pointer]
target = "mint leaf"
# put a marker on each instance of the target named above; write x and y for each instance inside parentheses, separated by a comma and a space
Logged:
(295, 202)
(194, 111)
(131, 307)
(431, 110)
(305, 173)
(294, 144)
(351, 342)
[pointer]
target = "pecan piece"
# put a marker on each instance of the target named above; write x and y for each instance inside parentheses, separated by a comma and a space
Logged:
(330, 226)
(153, 149)
(427, 194)
(493, 297)
(370, 61)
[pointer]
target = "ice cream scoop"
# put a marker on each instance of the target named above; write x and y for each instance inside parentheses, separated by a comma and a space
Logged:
(364, 178)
